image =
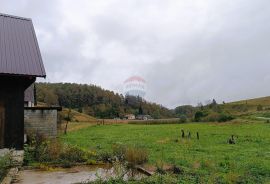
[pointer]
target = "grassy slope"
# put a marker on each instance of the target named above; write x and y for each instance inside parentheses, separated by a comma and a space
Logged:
(78, 121)
(265, 101)
(78, 117)
(208, 157)
(248, 107)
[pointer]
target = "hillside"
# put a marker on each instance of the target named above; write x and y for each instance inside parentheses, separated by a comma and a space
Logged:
(252, 106)
(264, 101)
(96, 101)
(77, 116)
(258, 107)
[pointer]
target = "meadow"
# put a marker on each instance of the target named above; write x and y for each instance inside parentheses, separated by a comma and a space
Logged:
(209, 159)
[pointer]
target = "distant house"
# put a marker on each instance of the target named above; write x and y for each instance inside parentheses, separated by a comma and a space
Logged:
(144, 117)
(130, 116)
(20, 65)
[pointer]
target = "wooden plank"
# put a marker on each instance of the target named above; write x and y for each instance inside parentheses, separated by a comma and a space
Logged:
(144, 171)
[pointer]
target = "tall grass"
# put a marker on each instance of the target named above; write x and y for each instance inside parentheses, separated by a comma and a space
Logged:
(40, 150)
(135, 155)
(5, 164)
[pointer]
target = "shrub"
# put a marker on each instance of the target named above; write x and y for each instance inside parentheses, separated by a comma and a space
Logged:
(240, 107)
(5, 164)
(259, 108)
(73, 154)
(198, 116)
(225, 117)
(182, 119)
(216, 117)
(119, 151)
(212, 117)
(49, 151)
(105, 156)
(55, 152)
(28, 155)
(35, 149)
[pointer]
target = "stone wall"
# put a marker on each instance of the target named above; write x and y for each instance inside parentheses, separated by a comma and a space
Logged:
(42, 121)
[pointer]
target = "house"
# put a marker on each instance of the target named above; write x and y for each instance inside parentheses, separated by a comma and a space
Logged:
(130, 116)
(20, 65)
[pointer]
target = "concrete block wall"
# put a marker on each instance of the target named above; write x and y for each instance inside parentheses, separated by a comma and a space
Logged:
(42, 121)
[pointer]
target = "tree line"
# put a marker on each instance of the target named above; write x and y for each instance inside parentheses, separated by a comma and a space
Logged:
(211, 112)
(98, 102)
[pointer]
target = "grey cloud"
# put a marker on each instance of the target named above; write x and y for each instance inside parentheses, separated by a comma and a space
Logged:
(187, 51)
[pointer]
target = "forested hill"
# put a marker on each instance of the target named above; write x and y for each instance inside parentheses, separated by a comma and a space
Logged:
(98, 102)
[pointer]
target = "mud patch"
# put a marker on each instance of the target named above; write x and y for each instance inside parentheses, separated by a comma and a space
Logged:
(72, 175)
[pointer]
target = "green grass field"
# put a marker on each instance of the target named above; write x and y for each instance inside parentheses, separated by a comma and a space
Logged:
(210, 158)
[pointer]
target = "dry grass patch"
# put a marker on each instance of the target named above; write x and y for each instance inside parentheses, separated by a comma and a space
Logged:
(136, 155)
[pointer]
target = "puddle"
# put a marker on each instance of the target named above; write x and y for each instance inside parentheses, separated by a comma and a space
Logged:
(71, 175)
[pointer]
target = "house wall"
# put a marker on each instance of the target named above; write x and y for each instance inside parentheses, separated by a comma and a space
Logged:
(41, 121)
(12, 100)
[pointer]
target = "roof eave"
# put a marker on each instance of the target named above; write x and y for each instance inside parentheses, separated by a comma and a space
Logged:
(21, 75)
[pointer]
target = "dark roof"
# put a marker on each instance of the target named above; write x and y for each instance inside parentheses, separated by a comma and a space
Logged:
(29, 94)
(19, 50)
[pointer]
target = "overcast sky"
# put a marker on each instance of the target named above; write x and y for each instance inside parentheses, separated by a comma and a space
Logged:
(188, 51)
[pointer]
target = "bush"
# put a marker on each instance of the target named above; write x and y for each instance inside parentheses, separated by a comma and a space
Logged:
(55, 152)
(48, 151)
(225, 117)
(182, 119)
(199, 115)
(259, 108)
(105, 156)
(73, 154)
(5, 164)
(119, 151)
(212, 117)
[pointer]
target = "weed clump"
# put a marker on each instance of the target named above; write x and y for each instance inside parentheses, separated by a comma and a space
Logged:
(136, 155)
(5, 164)
(53, 151)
